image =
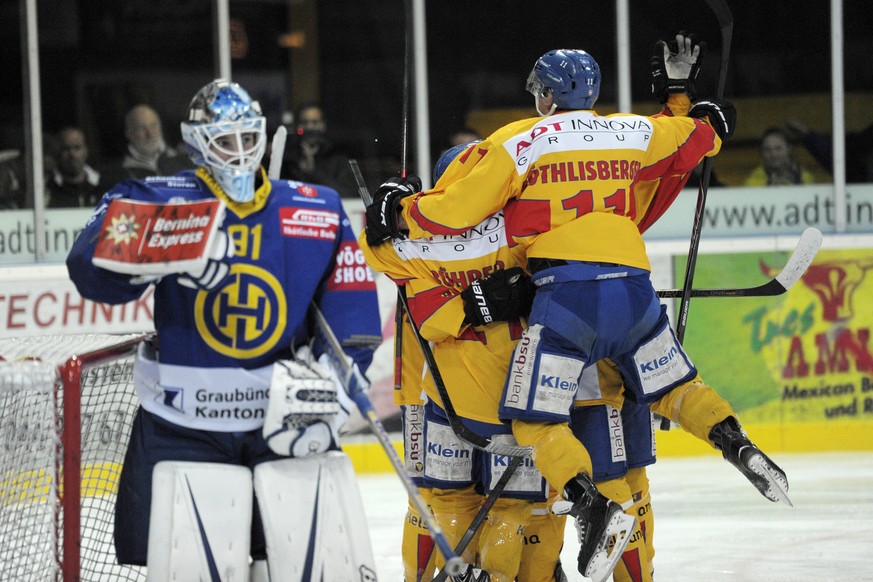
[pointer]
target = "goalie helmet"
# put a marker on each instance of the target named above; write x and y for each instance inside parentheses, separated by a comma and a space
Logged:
(448, 157)
(571, 76)
(226, 134)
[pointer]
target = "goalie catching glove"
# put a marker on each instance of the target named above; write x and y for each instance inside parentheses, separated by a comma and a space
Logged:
(305, 409)
(383, 214)
(676, 65)
(503, 295)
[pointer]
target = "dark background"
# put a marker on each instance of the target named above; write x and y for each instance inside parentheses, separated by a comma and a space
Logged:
(99, 57)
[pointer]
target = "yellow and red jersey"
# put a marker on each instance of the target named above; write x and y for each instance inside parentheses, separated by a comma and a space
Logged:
(572, 176)
(472, 361)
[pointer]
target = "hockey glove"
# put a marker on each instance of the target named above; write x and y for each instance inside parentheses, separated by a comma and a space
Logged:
(216, 270)
(302, 406)
(722, 116)
(501, 296)
(675, 66)
(383, 214)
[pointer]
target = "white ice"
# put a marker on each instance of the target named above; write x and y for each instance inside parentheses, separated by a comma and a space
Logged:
(711, 525)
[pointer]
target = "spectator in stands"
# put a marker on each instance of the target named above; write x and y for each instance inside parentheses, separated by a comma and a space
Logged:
(311, 156)
(463, 135)
(778, 165)
(859, 150)
(147, 152)
(73, 183)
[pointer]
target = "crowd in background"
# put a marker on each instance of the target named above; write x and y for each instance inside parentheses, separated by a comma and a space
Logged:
(73, 179)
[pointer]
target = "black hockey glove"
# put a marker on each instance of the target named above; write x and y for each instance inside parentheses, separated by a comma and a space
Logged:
(383, 214)
(722, 116)
(675, 66)
(501, 296)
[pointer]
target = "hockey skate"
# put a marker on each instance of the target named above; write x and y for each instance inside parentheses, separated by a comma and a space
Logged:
(472, 574)
(729, 437)
(598, 521)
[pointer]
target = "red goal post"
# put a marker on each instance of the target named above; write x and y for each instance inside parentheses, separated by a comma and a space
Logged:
(66, 409)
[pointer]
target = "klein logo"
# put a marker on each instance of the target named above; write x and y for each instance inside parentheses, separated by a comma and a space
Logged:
(653, 365)
(550, 381)
(446, 452)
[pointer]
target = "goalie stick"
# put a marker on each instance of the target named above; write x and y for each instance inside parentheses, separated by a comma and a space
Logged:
(726, 24)
(455, 422)
(277, 151)
(799, 261)
(334, 351)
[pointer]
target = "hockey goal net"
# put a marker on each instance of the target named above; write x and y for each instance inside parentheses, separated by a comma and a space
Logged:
(66, 408)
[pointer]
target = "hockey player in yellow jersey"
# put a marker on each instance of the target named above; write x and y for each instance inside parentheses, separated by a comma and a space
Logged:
(570, 176)
(472, 362)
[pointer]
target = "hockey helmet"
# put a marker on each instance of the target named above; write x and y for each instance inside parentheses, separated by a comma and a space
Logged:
(226, 134)
(572, 76)
(448, 157)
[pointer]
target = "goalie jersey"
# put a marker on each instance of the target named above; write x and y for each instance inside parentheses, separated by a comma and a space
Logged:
(213, 357)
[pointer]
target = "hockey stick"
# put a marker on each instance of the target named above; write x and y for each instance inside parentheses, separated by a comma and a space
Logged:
(726, 23)
(799, 261)
(340, 362)
(457, 425)
(480, 516)
(277, 151)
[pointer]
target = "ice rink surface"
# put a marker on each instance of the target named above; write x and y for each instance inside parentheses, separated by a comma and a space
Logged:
(711, 524)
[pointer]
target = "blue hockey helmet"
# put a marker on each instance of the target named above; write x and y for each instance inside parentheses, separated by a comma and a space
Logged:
(448, 157)
(226, 134)
(572, 76)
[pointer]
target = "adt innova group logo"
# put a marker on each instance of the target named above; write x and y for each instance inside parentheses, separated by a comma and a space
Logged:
(246, 317)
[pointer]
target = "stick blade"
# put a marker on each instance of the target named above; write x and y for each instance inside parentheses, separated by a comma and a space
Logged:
(802, 257)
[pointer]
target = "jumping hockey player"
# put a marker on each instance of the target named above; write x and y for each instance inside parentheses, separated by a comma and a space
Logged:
(570, 176)
(232, 399)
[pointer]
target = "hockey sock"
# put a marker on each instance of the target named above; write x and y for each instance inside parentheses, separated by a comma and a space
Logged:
(417, 547)
(558, 454)
(543, 540)
(454, 510)
(638, 481)
(696, 406)
(502, 538)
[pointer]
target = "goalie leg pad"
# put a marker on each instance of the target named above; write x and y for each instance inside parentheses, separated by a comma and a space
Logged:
(314, 519)
(200, 522)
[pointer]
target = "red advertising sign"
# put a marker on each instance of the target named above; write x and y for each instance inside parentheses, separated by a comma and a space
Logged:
(157, 239)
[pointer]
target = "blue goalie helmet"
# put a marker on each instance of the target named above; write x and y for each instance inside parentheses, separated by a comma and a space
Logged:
(448, 157)
(572, 77)
(226, 134)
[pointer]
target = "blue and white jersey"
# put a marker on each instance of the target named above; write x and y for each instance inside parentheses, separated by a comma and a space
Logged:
(213, 360)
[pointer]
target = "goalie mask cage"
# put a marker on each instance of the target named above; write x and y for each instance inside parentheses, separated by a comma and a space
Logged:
(66, 410)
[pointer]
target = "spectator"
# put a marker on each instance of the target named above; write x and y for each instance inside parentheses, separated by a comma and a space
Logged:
(313, 157)
(859, 150)
(147, 152)
(463, 135)
(778, 164)
(73, 183)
